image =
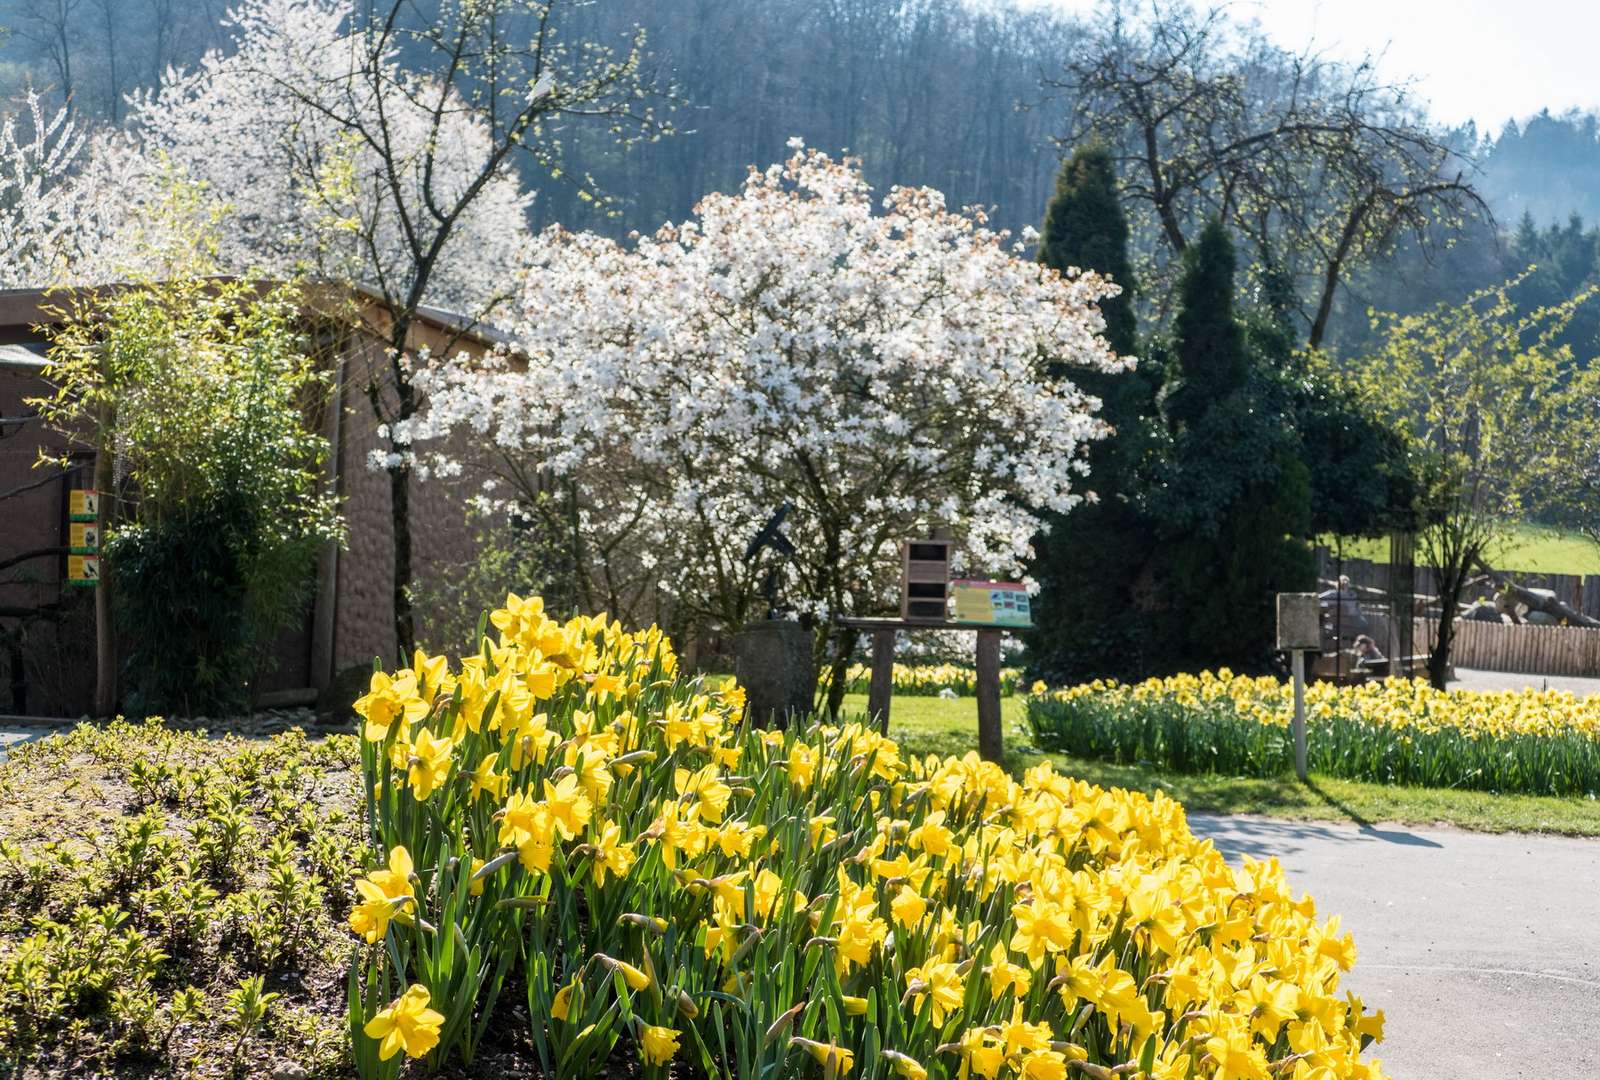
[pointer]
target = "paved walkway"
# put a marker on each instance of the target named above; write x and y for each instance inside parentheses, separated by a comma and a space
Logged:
(1478, 679)
(1483, 951)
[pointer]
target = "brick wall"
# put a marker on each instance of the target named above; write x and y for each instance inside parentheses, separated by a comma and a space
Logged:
(364, 615)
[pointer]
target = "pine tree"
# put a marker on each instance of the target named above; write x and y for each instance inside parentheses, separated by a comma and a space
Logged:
(1084, 227)
(1087, 562)
(1208, 341)
(1234, 503)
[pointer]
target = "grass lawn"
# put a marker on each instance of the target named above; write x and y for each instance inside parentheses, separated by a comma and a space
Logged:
(931, 724)
(1533, 548)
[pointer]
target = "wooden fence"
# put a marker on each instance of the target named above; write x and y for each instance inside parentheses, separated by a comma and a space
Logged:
(1581, 592)
(1526, 649)
(1530, 650)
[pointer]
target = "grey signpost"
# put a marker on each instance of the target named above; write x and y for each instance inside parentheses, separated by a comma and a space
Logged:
(1299, 631)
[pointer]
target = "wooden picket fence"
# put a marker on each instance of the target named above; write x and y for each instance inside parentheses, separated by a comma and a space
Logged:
(1530, 650)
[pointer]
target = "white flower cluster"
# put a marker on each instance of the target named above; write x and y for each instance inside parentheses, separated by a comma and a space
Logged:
(267, 130)
(269, 127)
(881, 372)
(37, 204)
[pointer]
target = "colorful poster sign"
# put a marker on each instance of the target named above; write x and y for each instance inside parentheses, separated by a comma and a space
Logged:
(85, 538)
(83, 504)
(991, 603)
(83, 570)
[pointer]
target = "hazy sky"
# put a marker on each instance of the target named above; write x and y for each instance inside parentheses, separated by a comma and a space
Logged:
(1485, 60)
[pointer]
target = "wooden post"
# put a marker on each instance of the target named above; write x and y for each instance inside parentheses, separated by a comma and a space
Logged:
(1298, 659)
(881, 690)
(991, 740)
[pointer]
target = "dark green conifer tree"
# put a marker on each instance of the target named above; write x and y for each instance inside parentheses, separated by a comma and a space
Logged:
(1233, 497)
(1208, 341)
(1086, 564)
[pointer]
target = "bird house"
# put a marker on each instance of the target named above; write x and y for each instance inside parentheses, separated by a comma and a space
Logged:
(924, 580)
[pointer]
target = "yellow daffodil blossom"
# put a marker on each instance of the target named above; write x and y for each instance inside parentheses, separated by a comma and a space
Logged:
(659, 1044)
(611, 854)
(385, 896)
(432, 675)
(405, 1024)
(941, 983)
(429, 763)
(568, 805)
(520, 819)
(485, 781)
(561, 1004)
(828, 1055)
(908, 906)
(387, 700)
(905, 1065)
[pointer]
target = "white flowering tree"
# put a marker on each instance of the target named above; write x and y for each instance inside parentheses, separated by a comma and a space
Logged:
(37, 155)
(338, 160)
(881, 373)
(268, 125)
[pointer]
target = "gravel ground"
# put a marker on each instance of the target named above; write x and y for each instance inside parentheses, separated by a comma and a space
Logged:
(1483, 951)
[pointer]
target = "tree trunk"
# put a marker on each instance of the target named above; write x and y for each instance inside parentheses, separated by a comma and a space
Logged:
(105, 634)
(1449, 601)
(405, 633)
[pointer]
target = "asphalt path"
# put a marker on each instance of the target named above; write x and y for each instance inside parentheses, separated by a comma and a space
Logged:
(1482, 950)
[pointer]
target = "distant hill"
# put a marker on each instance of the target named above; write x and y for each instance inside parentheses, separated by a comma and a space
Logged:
(1547, 166)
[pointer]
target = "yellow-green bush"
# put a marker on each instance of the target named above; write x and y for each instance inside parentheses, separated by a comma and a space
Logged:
(565, 815)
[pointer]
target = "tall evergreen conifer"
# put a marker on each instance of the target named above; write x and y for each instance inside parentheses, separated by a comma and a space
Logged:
(1234, 500)
(1208, 342)
(1086, 564)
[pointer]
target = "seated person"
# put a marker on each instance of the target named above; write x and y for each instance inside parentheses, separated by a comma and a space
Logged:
(1366, 651)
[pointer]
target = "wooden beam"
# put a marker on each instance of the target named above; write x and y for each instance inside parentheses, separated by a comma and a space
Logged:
(880, 692)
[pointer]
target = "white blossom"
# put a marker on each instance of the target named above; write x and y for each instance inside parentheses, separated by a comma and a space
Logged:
(883, 373)
(265, 126)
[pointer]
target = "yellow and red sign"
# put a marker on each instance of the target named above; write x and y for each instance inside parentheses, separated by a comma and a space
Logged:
(84, 538)
(83, 570)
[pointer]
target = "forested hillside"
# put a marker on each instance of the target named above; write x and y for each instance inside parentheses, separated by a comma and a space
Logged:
(977, 100)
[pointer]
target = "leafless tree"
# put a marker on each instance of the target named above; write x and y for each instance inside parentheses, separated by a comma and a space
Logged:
(513, 66)
(47, 25)
(1321, 166)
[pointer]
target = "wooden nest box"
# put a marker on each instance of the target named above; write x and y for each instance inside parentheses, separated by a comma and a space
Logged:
(924, 580)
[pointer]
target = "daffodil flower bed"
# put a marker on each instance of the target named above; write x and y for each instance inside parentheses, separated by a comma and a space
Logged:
(927, 680)
(565, 820)
(1537, 742)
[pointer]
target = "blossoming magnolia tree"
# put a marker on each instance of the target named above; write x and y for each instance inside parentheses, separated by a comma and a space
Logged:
(880, 372)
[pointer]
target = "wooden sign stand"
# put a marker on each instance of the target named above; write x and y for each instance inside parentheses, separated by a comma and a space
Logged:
(880, 692)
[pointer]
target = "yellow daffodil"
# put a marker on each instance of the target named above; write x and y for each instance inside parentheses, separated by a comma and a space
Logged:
(406, 1024)
(429, 764)
(568, 805)
(387, 700)
(385, 895)
(659, 1044)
